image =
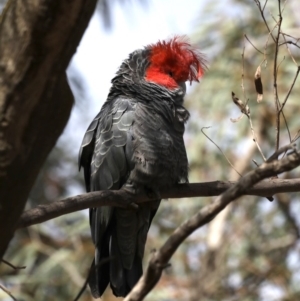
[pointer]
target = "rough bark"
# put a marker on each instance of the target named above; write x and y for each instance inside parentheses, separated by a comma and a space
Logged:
(37, 41)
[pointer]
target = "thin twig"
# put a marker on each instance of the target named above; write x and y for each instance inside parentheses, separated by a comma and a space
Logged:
(253, 45)
(280, 151)
(289, 42)
(255, 138)
(288, 35)
(286, 98)
(280, 64)
(202, 130)
(275, 67)
(275, 76)
(296, 137)
(7, 292)
(281, 111)
(284, 5)
(287, 126)
(261, 10)
(266, 45)
(264, 5)
(288, 49)
(13, 266)
(243, 70)
(290, 90)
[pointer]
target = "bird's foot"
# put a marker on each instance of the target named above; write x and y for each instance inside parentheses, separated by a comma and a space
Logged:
(152, 193)
(131, 189)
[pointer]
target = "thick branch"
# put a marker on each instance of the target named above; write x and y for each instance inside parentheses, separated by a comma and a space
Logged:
(37, 41)
(120, 198)
(161, 258)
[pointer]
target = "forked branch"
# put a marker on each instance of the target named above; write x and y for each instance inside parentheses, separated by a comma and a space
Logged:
(161, 258)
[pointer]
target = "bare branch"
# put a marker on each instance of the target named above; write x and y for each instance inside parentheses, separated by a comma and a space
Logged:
(121, 198)
(275, 75)
(253, 45)
(289, 42)
(161, 258)
(287, 126)
(280, 151)
(13, 266)
(288, 49)
(296, 137)
(255, 138)
(7, 292)
(264, 5)
(243, 72)
(288, 35)
(246, 110)
(202, 130)
(290, 90)
(261, 10)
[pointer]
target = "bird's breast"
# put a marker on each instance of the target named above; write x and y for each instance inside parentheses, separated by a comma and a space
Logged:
(159, 154)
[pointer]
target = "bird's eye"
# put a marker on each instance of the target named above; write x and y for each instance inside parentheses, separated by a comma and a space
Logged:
(170, 73)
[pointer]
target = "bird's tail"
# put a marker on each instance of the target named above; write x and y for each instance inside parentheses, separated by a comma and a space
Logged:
(99, 272)
(119, 255)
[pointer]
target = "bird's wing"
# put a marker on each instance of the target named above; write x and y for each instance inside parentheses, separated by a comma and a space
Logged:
(105, 156)
(102, 154)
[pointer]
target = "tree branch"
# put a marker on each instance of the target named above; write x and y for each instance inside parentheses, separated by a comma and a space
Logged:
(121, 198)
(37, 41)
(161, 258)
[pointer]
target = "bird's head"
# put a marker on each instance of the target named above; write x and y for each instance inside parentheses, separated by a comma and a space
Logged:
(167, 64)
(173, 62)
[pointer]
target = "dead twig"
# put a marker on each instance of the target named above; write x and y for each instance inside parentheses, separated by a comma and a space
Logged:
(289, 42)
(8, 292)
(275, 76)
(246, 110)
(202, 130)
(255, 138)
(261, 10)
(290, 90)
(13, 266)
(253, 45)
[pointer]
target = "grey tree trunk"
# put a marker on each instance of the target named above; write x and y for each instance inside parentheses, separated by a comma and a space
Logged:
(37, 41)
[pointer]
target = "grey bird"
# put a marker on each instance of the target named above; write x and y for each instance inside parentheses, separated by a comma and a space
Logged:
(136, 143)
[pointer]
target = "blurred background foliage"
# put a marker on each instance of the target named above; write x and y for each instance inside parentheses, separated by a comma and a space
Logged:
(249, 252)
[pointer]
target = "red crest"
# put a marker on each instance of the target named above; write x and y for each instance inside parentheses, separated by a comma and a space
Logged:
(174, 61)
